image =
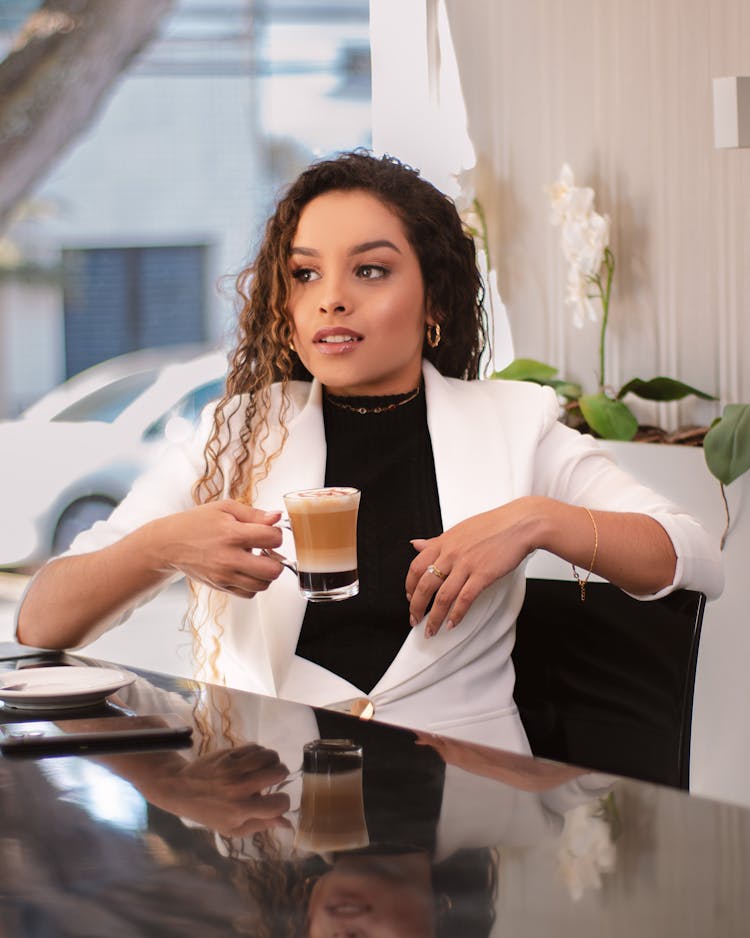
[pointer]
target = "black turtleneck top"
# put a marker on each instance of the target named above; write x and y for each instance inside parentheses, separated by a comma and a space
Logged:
(388, 457)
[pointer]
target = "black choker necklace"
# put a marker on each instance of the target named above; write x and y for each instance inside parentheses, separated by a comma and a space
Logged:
(378, 409)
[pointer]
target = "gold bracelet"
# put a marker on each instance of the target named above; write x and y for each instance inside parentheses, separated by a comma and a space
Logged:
(582, 582)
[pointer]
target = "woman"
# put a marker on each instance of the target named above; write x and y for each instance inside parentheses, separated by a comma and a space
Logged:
(367, 281)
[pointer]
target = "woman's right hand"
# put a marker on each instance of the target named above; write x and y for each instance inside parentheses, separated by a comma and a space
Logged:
(73, 598)
(219, 544)
(229, 791)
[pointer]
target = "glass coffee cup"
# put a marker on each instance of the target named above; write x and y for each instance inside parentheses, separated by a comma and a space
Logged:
(332, 810)
(324, 527)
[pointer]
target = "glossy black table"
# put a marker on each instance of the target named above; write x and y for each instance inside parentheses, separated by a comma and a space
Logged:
(463, 840)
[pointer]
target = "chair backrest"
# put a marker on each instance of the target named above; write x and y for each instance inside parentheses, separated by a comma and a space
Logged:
(608, 684)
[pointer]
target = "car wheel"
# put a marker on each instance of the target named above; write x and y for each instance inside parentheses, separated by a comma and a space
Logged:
(79, 517)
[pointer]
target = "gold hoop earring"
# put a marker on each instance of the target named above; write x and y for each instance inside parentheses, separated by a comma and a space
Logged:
(433, 334)
(291, 347)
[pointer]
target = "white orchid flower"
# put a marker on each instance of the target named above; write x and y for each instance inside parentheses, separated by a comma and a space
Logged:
(586, 849)
(568, 201)
(583, 242)
(597, 239)
(467, 193)
(559, 194)
(580, 204)
(466, 204)
(576, 296)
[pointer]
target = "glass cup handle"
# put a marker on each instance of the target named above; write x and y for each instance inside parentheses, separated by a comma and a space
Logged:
(291, 777)
(275, 555)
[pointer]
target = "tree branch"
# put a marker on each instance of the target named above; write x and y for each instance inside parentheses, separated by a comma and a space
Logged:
(66, 59)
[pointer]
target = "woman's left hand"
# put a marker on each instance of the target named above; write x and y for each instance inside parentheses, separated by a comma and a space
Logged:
(631, 550)
(456, 566)
(511, 768)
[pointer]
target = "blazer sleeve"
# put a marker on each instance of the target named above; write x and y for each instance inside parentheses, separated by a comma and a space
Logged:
(573, 468)
(164, 489)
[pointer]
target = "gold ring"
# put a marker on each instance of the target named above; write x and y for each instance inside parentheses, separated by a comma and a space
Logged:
(433, 569)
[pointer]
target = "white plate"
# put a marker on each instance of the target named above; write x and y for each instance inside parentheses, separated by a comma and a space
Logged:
(60, 688)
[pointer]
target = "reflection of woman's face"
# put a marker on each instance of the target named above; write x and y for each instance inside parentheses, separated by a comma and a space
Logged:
(370, 896)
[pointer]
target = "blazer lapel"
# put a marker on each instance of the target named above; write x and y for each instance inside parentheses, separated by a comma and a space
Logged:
(472, 469)
(467, 444)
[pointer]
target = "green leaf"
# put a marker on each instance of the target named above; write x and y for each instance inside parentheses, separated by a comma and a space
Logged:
(661, 389)
(526, 369)
(727, 444)
(567, 389)
(609, 419)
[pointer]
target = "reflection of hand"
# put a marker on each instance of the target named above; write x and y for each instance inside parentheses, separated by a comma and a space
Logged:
(214, 543)
(223, 791)
(472, 555)
(518, 771)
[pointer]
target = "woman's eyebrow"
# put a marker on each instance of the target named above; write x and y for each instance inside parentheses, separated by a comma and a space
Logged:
(369, 245)
(355, 249)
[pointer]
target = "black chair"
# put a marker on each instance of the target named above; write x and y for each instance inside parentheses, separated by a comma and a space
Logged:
(608, 684)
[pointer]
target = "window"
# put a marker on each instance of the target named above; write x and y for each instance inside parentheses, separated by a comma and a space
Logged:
(135, 234)
(118, 300)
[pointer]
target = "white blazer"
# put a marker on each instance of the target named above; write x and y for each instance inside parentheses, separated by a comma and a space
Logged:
(493, 441)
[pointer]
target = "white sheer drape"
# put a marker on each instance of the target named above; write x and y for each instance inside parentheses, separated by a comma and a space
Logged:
(419, 115)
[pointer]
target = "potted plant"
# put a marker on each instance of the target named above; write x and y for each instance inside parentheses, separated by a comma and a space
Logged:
(604, 412)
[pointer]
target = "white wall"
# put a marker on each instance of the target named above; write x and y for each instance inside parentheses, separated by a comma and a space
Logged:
(622, 90)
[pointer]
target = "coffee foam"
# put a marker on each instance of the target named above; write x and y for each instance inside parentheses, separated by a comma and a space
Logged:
(320, 500)
(324, 523)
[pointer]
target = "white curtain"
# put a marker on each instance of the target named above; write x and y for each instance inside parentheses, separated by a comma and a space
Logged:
(419, 116)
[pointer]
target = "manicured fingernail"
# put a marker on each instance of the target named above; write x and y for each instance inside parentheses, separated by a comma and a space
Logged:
(428, 633)
(408, 597)
(450, 625)
(412, 621)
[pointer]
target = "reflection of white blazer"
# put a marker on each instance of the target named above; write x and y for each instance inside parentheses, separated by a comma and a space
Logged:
(493, 441)
(500, 814)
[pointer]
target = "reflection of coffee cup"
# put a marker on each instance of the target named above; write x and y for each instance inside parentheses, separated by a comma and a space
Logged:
(324, 525)
(332, 810)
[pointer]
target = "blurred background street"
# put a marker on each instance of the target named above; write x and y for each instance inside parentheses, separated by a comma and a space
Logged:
(117, 262)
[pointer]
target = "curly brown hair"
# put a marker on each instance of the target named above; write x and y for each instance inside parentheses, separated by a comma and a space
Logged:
(263, 355)
(453, 292)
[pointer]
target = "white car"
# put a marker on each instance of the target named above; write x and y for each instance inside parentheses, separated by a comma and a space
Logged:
(72, 456)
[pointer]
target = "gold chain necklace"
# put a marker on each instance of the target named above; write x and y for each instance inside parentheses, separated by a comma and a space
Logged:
(380, 409)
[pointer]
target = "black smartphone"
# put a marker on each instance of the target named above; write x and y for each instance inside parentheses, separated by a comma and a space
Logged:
(10, 652)
(88, 733)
